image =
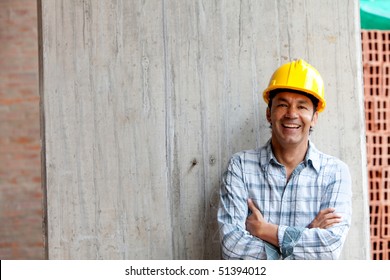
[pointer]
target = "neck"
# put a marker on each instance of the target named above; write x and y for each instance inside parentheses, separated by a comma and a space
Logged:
(290, 156)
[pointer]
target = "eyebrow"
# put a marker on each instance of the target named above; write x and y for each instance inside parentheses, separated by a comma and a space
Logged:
(300, 101)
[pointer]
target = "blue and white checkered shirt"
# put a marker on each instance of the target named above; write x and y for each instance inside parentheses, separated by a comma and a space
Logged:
(319, 182)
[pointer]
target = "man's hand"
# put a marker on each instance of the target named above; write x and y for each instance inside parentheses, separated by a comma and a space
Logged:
(325, 219)
(259, 227)
(255, 221)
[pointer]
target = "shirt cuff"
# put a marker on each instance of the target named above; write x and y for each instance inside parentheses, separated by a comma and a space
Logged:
(271, 251)
(288, 238)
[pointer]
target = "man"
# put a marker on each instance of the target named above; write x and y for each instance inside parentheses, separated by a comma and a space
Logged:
(286, 200)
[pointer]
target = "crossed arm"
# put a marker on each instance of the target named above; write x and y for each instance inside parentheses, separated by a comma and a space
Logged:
(257, 226)
(255, 238)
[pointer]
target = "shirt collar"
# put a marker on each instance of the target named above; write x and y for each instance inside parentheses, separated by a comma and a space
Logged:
(312, 157)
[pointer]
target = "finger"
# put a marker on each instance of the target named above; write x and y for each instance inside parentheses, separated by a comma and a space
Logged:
(325, 218)
(331, 219)
(332, 222)
(332, 216)
(327, 211)
(252, 206)
(325, 214)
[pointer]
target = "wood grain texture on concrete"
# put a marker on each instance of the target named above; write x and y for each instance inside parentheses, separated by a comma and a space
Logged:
(145, 101)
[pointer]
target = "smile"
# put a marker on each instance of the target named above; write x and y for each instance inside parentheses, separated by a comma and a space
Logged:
(292, 126)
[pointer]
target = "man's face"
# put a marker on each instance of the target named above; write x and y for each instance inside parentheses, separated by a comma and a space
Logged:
(291, 116)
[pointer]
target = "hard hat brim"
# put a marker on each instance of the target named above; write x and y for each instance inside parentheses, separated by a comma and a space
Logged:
(321, 102)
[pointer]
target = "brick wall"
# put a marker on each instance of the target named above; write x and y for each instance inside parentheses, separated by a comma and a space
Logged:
(21, 234)
(376, 71)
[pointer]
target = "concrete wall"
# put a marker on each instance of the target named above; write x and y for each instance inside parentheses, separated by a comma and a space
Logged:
(21, 233)
(145, 101)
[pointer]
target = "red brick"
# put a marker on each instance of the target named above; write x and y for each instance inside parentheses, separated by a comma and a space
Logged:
(379, 249)
(20, 184)
(376, 71)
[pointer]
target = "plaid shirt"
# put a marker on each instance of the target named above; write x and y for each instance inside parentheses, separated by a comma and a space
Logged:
(319, 182)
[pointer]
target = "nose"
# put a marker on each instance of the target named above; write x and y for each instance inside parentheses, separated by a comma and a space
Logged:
(292, 112)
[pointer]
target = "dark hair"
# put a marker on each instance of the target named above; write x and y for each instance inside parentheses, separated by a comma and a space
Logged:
(274, 92)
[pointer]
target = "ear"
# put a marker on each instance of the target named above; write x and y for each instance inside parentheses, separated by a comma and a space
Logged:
(314, 119)
(268, 114)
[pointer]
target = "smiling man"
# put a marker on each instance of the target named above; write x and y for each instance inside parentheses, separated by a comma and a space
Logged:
(286, 200)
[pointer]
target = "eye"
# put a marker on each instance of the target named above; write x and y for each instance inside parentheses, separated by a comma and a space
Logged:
(301, 107)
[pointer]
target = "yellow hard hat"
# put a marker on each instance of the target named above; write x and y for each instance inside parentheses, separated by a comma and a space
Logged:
(298, 75)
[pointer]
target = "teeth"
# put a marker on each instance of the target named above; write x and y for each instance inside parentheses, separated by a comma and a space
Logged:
(291, 126)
